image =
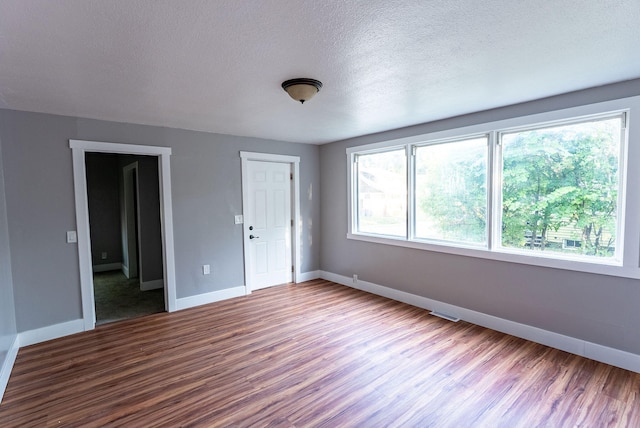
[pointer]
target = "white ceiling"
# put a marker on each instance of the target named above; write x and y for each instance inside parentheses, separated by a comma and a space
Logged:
(217, 65)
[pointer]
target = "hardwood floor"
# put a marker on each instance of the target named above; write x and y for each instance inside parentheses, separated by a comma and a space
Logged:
(313, 354)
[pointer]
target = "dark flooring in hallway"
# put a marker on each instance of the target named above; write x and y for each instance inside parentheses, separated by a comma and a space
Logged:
(118, 298)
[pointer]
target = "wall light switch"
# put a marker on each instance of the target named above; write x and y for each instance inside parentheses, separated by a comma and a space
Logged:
(239, 219)
(103, 256)
(206, 269)
(72, 237)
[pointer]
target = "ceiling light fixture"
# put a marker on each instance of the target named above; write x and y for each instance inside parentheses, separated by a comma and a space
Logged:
(302, 89)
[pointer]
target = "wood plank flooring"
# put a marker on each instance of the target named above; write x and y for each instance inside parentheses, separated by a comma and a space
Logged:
(310, 355)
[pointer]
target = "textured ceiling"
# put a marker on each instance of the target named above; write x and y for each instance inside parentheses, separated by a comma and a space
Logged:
(217, 65)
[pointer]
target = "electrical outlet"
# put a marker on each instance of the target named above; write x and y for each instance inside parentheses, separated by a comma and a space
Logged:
(104, 255)
(206, 269)
(355, 278)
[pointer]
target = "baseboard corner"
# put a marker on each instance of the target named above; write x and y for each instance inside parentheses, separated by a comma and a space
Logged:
(7, 365)
(308, 276)
(38, 335)
(152, 285)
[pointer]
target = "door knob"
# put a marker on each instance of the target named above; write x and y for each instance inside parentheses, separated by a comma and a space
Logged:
(253, 237)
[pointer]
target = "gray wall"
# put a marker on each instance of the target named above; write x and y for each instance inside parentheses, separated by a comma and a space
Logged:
(206, 192)
(40, 209)
(7, 308)
(103, 198)
(596, 308)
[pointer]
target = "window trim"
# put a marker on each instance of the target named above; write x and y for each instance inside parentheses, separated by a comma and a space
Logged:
(616, 260)
(627, 266)
(413, 148)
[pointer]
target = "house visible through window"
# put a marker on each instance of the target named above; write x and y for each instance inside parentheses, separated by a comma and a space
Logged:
(561, 183)
(382, 193)
(572, 244)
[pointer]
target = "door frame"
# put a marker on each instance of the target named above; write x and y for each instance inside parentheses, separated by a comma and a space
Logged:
(131, 209)
(294, 162)
(79, 148)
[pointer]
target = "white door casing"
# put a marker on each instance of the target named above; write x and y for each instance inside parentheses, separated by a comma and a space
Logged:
(78, 149)
(129, 224)
(270, 203)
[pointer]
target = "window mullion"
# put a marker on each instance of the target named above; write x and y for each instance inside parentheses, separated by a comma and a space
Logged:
(355, 192)
(496, 191)
(490, 188)
(411, 191)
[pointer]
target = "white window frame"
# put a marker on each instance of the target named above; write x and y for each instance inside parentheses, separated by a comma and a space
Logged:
(628, 233)
(411, 217)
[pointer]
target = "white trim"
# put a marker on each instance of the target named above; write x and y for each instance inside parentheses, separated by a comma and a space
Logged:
(79, 148)
(84, 238)
(166, 224)
(152, 285)
(308, 276)
(31, 337)
(503, 256)
(129, 222)
(206, 298)
(604, 354)
(7, 365)
(297, 220)
(269, 157)
(106, 267)
(125, 149)
(629, 208)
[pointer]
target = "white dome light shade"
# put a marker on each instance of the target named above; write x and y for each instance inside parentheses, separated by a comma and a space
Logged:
(302, 89)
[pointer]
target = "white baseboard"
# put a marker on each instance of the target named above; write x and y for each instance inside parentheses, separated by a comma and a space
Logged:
(152, 285)
(55, 331)
(7, 365)
(308, 276)
(214, 296)
(106, 267)
(604, 354)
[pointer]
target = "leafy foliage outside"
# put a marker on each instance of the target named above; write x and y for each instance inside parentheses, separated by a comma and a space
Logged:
(561, 181)
(559, 190)
(451, 191)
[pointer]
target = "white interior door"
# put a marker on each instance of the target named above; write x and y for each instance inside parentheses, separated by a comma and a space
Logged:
(268, 223)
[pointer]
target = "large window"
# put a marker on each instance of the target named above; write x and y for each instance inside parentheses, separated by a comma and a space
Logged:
(551, 190)
(382, 192)
(451, 191)
(560, 184)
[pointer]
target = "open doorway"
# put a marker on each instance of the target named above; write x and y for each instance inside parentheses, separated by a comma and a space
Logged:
(123, 199)
(162, 154)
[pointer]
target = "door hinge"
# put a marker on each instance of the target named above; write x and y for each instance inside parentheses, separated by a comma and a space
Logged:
(291, 269)
(291, 176)
(291, 222)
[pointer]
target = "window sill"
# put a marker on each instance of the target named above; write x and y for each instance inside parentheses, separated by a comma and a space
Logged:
(604, 267)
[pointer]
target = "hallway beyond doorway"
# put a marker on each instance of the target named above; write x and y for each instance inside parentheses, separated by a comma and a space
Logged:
(118, 298)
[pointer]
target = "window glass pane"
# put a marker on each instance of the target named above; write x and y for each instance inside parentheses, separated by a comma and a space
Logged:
(382, 193)
(560, 188)
(451, 191)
